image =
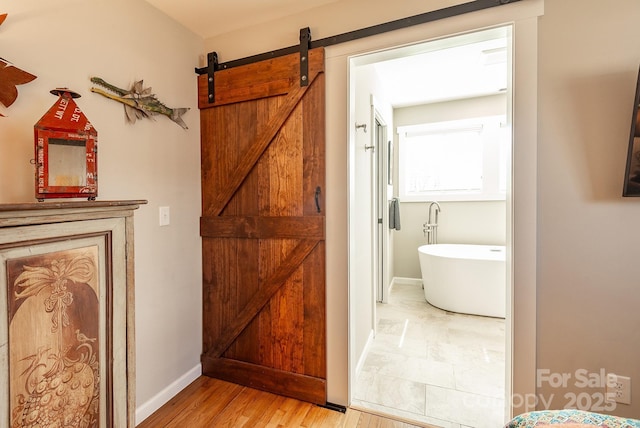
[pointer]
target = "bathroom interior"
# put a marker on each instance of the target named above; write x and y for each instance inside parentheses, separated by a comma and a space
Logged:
(436, 354)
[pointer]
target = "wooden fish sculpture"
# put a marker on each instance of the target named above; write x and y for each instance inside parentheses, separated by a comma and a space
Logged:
(139, 102)
(10, 76)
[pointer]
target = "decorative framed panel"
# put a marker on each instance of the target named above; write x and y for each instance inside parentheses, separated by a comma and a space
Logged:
(63, 325)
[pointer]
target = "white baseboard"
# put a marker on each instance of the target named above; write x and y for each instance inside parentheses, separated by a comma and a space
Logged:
(146, 409)
(363, 355)
(406, 281)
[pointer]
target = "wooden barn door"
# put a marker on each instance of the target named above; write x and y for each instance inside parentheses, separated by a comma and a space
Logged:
(262, 227)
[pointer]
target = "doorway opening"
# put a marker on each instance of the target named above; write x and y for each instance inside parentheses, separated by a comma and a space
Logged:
(401, 88)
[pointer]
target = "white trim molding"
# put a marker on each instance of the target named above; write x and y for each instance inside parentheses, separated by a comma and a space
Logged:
(146, 409)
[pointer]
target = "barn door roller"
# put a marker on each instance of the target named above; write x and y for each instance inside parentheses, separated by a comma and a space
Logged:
(305, 41)
(209, 70)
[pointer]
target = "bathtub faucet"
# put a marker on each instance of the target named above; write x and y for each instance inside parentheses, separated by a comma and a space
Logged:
(430, 228)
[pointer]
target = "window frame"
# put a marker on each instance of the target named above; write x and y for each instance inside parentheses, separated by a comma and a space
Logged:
(494, 158)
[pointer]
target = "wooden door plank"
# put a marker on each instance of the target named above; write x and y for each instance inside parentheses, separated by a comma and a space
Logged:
(283, 185)
(258, 80)
(256, 227)
(314, 149)
(286, 340)
(218, 160)
(220, 279)
(249, 159)
(269, 287)
(302, 387)
(314, 302)
(245, 347)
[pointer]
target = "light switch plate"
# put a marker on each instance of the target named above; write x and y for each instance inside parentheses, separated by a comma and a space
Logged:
(165, 216)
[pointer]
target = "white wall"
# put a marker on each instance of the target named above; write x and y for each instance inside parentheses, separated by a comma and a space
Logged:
(324, 21)
(478, 222)
(64, 43)
(588, 294)
(489, 105)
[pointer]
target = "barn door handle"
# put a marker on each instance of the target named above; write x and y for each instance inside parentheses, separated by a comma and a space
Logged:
(317, 196)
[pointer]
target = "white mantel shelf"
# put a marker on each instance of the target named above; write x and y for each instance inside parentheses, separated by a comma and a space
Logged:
(51, 211)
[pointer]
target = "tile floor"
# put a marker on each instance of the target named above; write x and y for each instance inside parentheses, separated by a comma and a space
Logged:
(433, 366)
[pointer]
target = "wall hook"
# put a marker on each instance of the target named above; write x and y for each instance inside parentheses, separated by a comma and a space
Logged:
(363, 126)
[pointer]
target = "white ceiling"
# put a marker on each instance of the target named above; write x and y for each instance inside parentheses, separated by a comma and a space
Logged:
(209, 18)
(452, 68)
(468, 70)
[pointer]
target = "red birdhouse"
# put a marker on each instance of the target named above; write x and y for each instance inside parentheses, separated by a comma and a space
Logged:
(66, 148)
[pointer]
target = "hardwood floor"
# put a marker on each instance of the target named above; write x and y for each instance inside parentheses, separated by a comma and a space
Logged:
(211, 402)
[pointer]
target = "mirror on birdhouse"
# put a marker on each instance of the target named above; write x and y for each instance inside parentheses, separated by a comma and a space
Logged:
(67, 166)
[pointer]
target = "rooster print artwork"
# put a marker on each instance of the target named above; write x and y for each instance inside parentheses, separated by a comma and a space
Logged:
(54, 346)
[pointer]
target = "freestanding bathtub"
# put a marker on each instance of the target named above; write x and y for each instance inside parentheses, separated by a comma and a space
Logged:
(469, 279)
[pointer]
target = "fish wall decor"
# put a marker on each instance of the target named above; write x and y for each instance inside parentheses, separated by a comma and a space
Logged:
(138, 102)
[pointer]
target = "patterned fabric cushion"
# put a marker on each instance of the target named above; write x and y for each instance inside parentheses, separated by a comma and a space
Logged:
(570, 417)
